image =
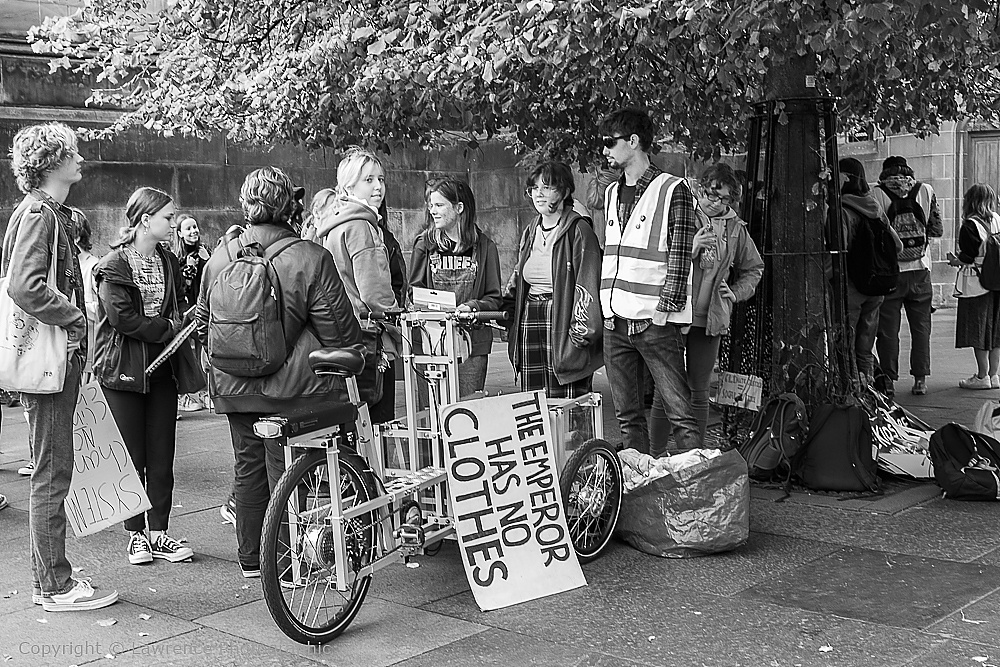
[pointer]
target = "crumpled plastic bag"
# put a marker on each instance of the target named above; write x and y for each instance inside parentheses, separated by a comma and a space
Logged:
(686, 505)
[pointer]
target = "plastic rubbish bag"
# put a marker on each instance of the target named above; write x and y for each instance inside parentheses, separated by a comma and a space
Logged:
(686, 505)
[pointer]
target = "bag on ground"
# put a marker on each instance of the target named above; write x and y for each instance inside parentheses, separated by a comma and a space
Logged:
(686, 505)
(988, 420)
(837, 455)
(776, 435)
(246, 335)
(908, 220)
(966, 463)
(872, 265)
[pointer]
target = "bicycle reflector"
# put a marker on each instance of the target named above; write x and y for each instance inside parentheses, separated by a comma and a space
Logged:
(268, 429)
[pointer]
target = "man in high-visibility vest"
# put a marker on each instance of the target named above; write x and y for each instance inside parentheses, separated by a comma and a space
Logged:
(646, 283)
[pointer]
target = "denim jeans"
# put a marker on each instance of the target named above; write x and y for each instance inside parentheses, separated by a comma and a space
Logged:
(914, 293)
(661, 349)
(259, 465)
(862, 325)
(50, 426)
(702, 352)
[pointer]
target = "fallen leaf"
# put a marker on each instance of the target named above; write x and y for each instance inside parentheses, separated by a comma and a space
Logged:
(178, 506)
(825, 649)
(143, 634)
(107, 622)
(152, 590)
(651, 638)
(144, 617)
(8, 657)
(109, 656)
(696, 613)
(41, 620)
(413, 565)
(981, 658)
(245, 586)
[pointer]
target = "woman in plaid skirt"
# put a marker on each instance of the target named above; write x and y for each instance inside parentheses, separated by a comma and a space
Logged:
(557, 331)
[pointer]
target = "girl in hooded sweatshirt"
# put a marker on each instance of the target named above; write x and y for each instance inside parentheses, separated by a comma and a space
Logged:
(453, 254)
(350, 231)
(858, 206)
(721, 245)
(557, 333)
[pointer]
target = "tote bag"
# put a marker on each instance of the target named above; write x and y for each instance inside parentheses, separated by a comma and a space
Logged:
(32, 354)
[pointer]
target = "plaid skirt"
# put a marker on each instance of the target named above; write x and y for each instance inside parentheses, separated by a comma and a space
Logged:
(536, 353)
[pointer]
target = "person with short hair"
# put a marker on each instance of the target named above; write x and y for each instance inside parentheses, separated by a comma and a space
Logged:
(317, 313)
(47, 163)
(726, 269)
(914, 291)
(453, 254)
(557, 332)
(977, 323)
(646, 283)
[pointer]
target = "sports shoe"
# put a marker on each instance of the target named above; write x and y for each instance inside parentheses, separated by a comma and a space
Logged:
(171, 550)
(3, 501)
(250, 571)
(37, 598)
(189, 403)
(920, 387)
(976, 382)
(26, 470)
(228, 510)
(995, 381)
(139, 549)
(81, 597)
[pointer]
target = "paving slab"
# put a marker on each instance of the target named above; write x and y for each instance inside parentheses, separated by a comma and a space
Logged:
(498, 648)
(78, 637)
(655, 625)
(945, 529)
(382, 634)
(15, 575)
(206, 647)
(977, 622)
(952, 653)
(436, 577)
(889, 589)
(898, 496)
(760, 559)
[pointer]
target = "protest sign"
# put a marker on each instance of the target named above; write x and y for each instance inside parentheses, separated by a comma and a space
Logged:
(105, 489)
(506, 500)
(740, 391)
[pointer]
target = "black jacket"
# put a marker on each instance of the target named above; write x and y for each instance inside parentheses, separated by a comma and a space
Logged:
(127, 341)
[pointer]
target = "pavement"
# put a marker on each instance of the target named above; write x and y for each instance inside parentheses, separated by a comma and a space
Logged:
(906, 579)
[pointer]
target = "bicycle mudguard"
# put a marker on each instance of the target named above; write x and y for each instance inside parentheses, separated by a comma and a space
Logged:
(305, 419)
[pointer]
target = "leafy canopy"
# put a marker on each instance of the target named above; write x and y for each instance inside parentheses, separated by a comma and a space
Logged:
(539, 72)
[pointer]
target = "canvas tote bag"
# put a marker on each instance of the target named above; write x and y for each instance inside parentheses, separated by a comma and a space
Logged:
(32, 354)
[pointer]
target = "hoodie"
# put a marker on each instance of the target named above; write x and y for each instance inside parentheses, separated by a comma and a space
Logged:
(857, 207)
(350, 232)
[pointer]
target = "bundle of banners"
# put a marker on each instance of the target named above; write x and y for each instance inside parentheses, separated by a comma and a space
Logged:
(900, 439)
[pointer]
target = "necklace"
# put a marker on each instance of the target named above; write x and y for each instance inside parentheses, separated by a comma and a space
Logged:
(546, 232)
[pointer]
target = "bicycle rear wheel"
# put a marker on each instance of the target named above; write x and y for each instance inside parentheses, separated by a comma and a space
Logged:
(297, 567)
(591, 484)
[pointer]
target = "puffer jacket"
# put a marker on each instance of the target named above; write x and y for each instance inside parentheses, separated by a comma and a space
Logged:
(316, 313)
(576, 284)
(124, 333)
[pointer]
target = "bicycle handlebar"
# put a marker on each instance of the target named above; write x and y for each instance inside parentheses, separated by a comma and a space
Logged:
(481, 315)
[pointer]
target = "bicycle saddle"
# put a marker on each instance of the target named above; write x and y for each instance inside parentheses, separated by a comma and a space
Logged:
(343, 361)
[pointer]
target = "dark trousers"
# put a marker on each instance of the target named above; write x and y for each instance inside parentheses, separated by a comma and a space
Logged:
(148, 423)
(914, 293)
(259, 465)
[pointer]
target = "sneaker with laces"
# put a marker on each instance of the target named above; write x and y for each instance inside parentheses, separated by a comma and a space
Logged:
(250, 571)
(171, 550)
(81, 597)
(995, 381)
(190, 403)
(37, 598)
(919, 387)
(228, 510)
(976, 382)
(139, 549)
(3, 501)
(26, 470)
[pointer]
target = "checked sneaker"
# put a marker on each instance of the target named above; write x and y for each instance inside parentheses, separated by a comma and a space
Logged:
(81, 597)
(228, 510)
(139, 549)
(171, 550)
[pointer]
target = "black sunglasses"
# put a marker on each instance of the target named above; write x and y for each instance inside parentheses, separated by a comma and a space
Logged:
(609, 142)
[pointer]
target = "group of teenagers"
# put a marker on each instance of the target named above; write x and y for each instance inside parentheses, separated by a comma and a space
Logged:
(654, 301)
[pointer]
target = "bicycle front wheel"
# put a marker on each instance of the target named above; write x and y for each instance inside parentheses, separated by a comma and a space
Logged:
(591, 484)
(297, 556)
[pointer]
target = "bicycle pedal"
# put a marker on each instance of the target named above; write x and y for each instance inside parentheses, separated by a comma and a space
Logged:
(410, 538)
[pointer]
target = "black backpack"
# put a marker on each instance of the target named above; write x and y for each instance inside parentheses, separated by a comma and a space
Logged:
(872, 264)
(776, 435)
(837, 455)
(909, 221)
(966, 463)
(246, 333)
(989, 271)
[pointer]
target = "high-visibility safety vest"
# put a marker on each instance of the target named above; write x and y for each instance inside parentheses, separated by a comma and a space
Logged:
(635, 257)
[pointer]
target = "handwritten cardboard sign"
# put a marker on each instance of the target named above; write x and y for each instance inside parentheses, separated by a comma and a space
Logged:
(740, 391)
(507, 505)
(105, 489)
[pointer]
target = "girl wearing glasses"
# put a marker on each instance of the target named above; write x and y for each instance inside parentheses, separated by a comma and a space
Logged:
(454, 255)
(721, 246)
(556, 340)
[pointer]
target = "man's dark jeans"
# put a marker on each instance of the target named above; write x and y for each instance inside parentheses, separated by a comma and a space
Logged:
(50, 422)
(259, 465)
(662, 351)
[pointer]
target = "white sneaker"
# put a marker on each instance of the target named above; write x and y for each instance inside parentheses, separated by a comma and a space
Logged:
(3, 501)
(139, 550)
(26, 470)
(976, 382)
(995, 381)
(171, 550)
(189, 403)
(81, 597)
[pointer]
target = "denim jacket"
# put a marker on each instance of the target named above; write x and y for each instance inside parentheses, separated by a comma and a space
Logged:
(29, 238)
